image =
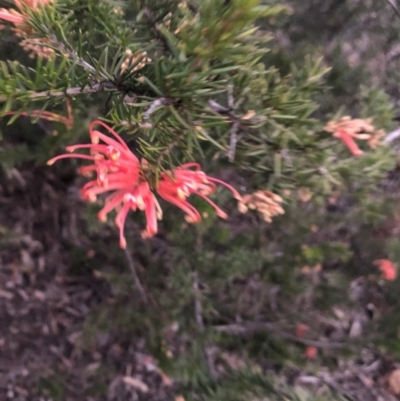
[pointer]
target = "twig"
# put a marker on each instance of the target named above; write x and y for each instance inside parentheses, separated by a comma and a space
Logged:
(233, 141)
(392, 136)
(230, 96)
(157, 103)
(249, 328)
(209, 351)
(394, 6)
(323, 171)
(235, 121)
(198, 310)
(235, 127)
(71, 53)
(138, 284)
(69, 91)
(218, 108)
(150, 19)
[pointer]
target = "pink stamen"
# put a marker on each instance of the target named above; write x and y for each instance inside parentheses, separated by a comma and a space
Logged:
(219, 211)
(190, 210)
(7, 16)
(110, 203)
(110, 130)
(120, 222)
(349, 142)
(72, 156)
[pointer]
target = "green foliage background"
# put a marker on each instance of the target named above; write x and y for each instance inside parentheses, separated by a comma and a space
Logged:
(296, 71)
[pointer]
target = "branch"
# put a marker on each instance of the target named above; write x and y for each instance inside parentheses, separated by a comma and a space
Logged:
(157, 103)
(69, 91)
(209, 351)
(138, 284)
(198, 310)
(234, 128)
(72, 54)
(250, 328)
(392, 136)
(394, 6)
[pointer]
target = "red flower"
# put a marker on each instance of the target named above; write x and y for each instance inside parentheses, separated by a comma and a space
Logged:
(311, 352)
(348, 141)
(178, 185)
(388, 269)
(11, 16)
(348, 129)
(118, 170)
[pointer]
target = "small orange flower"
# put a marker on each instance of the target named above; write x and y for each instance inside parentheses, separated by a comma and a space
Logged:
(311, 352)
(347, 129)
(387, 268)
(175, 186)
(301, 330)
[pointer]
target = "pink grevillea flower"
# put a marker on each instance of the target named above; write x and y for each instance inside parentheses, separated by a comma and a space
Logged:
(387, 268)
(311, 352)
(349, 142)
(348, 129)
(11, 16)
(175, 186)
(118, 170)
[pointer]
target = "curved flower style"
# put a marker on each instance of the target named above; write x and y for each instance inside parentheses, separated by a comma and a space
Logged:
(387, 268)
(119, 171)
(175, 186)
(348, 141)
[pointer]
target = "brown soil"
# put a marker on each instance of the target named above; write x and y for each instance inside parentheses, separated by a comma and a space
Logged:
(45, 300)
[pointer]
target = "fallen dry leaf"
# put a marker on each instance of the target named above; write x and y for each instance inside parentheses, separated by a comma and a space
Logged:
(250, 114)
(40, 295)
(136, 383)
(394, 382)
(6, 294)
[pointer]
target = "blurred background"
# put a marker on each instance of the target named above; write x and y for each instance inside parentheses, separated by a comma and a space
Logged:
(298, 309)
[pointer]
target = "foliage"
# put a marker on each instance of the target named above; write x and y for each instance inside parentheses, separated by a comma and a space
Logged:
(246, 88)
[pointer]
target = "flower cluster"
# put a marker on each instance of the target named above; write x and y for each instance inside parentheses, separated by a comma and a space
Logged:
(387, 268)
(120, 172)
(131, 58)
(68, 120)
(266, 203)
(347, 130)
(33, 46)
